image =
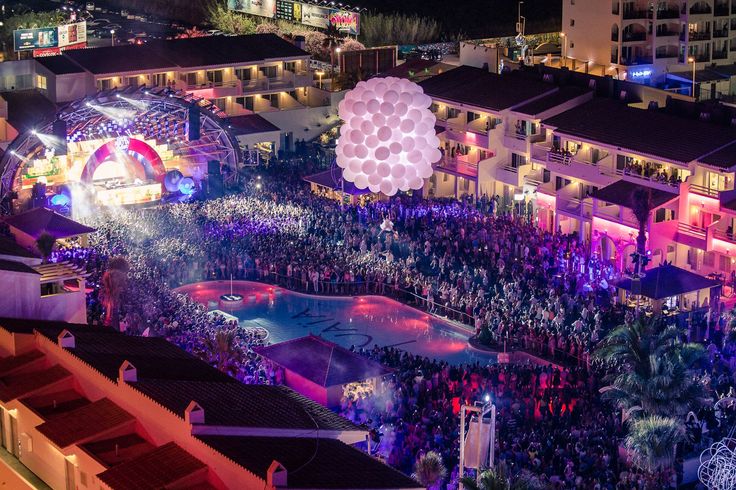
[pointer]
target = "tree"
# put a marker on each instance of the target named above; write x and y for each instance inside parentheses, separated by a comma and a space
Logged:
(314, 44)
(29, 20)
(45, 244)
(653, 371)
(651, 443)
(352, 45)
(499, 479)
(191, 33)
(114, 283)
(641, 206)
(222, 351)
(384, 29)
(429, 469)
(229, 21)
(268, 28)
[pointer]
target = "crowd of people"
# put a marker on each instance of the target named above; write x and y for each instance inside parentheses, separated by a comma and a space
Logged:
(512, 284)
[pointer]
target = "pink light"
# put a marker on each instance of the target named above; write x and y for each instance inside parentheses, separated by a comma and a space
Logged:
(546, 200)
(722, 246)
(613, 229)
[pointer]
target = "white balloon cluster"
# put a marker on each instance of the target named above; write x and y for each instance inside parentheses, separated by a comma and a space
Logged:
(388, 142)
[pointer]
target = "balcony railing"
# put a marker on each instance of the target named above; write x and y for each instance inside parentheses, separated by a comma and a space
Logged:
(723, 235)
(694, 231)
(208, 84)
(667, 33)
(699, 36)
(668, 14)
(720, 54)
(700, 10)
(636, 14)
(637, 60)
(652, 178)
(720, 33)
(634, 36)
(666, 54)
(703, 191)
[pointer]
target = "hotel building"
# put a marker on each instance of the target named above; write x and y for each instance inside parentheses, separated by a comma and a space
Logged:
(574, 147)
(652, 42)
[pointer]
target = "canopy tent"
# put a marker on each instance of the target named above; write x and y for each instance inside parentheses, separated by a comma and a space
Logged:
(331, 184)
(669, 284)
(320, 369)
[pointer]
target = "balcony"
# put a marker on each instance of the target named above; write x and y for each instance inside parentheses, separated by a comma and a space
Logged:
(460, 165)
(691, 235)
(720, 32)
(699, 36)
(617, 214)
(666, 33)
(212, 90)
(629, 37)
(577, 166)
(701, 9)
(669, 185)
(630, 14)
(637, 60)
(513, 176)
(519, 142)
(703, 191)
(462, 135)
(574, 206)
(721, 10)
(668, 14)
(721, 54)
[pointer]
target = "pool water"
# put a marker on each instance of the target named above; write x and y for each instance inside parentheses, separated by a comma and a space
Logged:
(348, 321)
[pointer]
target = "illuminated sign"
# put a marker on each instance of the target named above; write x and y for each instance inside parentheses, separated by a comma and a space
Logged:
(50, 37)
(308, 14)
(641, 73)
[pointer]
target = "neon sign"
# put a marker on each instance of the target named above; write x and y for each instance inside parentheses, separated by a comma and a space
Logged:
(641, 73)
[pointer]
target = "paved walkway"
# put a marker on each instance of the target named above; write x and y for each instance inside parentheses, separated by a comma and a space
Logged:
(14, 475)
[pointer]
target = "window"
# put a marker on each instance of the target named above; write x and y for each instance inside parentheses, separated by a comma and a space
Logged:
(269, 71)
(517, 160)
(572, 22)
(41, 82)
(709, 259)
(243, 73)
(290, 66)
(159, 79)
(214, 77)
(572, 45)
(724, 263)
(191, 79)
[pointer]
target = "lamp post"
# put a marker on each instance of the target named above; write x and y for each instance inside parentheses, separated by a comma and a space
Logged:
(337, 51)
(564, 49)
(692, 60)
(112, 37)
(319, 74)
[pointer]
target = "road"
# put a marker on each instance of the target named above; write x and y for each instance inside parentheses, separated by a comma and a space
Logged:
(105, 19)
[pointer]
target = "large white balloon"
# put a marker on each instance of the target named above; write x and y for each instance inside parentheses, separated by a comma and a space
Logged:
(388, 142)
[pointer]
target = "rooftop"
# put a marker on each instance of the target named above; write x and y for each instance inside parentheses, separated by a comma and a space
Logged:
(10, 364)
(310, 463)
(250, 124)
(28, 108)
(240, 405)
(59, 65)
(85, 423)
(564, 94)
(38, 221)
(10, 247)
(722, 158)
(649, 132)
(161, 468)
(620, 193)
(25, 384)
(668, 280)
(322, 362)
(13, 266)
(23, 325)
(111, 452)
(172, 54)
(50, 405)
(480, 88)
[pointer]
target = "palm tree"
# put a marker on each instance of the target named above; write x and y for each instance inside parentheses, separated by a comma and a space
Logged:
(45, 244)
(651, 443)
(641, 206)
(653, 370)
(114, 283)
(429, 469)
(498, 479)
(221, 351)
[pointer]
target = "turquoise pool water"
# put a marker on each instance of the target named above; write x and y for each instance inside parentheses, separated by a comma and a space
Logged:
(353, 321)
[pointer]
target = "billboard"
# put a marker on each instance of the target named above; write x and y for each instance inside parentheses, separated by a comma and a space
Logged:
(27, 39)
(50, 37)
(71, 34)
(315, 16)
(345, 21)
(303, 13)
(262, 8)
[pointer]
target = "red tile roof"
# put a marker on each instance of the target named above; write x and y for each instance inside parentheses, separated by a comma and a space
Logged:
(25, 384)
(85, 423)
(160, 468)
(12, 363)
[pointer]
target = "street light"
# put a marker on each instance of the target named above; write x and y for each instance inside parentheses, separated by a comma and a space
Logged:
(692, 60)
(564, 49)
(337, 50)
(319, 74)
(112, 37)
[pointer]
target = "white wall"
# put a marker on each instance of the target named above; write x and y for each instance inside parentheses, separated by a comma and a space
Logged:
(590, 38)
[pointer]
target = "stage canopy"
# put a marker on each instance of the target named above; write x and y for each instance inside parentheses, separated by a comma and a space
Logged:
(322, 362)
(139, 133)
(38, 221)
(330, 179)
(667, 281)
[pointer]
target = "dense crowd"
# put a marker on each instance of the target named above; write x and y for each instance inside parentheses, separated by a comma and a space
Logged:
(512, 284)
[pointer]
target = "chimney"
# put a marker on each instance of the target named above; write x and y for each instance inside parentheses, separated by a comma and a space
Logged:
(276, 475)
(66, 339)
(299, 41)
(194, 413)
(127, 373)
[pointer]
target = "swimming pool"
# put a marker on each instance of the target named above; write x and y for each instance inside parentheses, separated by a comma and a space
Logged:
(360, 321)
